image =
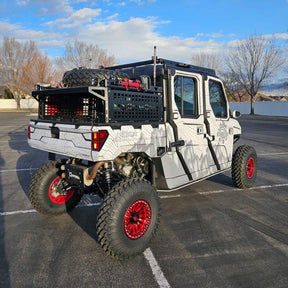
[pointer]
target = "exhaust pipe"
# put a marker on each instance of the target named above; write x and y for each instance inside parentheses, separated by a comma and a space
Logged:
(90, 174)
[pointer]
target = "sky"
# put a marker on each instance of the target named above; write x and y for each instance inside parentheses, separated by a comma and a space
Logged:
(129, 29)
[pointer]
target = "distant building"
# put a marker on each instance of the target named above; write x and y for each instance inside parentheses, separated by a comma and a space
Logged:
(278, 92)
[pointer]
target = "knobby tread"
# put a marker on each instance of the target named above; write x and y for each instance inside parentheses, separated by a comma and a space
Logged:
(38, 195)
(239, 161)
(83, 76)
(114, 244)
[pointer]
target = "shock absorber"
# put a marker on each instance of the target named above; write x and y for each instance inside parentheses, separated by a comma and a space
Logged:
(107, 175)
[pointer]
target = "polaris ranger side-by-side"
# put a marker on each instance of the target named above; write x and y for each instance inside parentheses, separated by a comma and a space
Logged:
(127, 131)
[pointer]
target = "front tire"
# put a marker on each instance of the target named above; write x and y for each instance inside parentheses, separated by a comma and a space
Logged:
(49, 194)
(128, 218)
(244, 167)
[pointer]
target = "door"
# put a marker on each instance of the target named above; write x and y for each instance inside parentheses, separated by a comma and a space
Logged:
(187, 108)
(219, 128)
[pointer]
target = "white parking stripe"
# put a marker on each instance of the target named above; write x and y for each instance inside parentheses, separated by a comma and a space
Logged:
(5, 141)
(170, 196)
(18, 170)
(156, 270)
(16, 151)
(34, 211)
(17, 212)
(162, 197)
(237, 189)
(272, 154)
(12, 126)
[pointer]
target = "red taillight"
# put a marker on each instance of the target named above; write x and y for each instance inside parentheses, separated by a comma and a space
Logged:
(98, 139)
(52, 107)
(52, 110)
(29, 132)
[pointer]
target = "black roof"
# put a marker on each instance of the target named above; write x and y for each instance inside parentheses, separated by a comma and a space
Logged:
(169, 64)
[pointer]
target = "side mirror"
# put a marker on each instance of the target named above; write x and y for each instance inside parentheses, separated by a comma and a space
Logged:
(236, 114)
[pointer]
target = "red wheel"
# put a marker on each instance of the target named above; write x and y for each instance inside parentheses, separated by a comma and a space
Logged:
(244, 167)
(137, 219)
(129, 218)
(50, 194)
(55, 196)
(250, 167)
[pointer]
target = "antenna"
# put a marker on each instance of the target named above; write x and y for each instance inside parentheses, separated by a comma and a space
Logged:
(154, 72)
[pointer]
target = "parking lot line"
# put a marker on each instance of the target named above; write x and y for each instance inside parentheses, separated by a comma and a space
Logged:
(272, 153)
(18, 170)
(10, 141)
(162, 197)
(237, 189)
(156, 270)
(17, 212)
(78, 206)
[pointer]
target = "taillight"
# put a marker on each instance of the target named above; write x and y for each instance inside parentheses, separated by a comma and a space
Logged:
(29, 132)
(52, 107)
(52, 110)
(98, 139)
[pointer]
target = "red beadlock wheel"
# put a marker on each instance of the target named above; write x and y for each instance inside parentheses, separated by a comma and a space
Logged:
(137, 219)
(54, 195)
(49, 194)
(244, 167)
(250, 167)
(128, 218)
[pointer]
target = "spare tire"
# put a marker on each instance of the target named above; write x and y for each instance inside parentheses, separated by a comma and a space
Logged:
(83, 76)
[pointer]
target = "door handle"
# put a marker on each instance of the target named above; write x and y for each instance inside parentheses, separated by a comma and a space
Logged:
(177, 143)
(209, 137)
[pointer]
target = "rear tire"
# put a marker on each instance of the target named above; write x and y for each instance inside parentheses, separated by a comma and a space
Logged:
(44, 191)
(128, 218)
(244, 167)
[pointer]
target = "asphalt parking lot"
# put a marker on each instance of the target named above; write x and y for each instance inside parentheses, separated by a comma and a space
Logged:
(211, 234)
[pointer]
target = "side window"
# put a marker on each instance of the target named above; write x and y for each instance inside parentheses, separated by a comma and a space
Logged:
(217, 99)
(185, 96)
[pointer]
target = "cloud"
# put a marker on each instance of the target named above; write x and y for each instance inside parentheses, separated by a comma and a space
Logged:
(23, 2)
(279, 36)
(134, 40)
(211, 35)
(130, 40)
(77, 18)
(6, 28)
(50, 7)
(141, 2)
(42, 39)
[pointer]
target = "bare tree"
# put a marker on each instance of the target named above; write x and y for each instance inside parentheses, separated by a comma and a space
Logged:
(40, 69)
(207, 59)
(13, 58)
(80, 54)
(233, 89)
(252, 61)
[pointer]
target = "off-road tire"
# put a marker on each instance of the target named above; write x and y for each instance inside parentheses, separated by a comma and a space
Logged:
(40, 191)
(116, 221)
(244, 167)
(83, 77)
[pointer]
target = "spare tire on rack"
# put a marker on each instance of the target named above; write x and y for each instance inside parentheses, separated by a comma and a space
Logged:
(84, 77)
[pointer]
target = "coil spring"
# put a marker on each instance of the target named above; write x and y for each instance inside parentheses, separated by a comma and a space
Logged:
(107, 175)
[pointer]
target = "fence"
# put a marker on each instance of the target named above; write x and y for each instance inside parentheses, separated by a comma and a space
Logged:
(270, 108)
(25, 104)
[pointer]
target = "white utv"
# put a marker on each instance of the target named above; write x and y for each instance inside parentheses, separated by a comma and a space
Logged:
(126, 132)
